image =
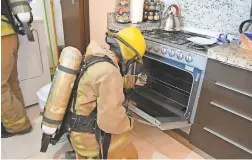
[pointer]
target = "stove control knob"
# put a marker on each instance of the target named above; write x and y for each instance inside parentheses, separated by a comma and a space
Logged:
(189, 58)
(149, 46)
(156, 49)
(180, 55)
(164, 50)
(172, 53)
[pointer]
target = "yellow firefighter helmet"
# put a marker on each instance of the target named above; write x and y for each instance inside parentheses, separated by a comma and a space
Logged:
(131, 43)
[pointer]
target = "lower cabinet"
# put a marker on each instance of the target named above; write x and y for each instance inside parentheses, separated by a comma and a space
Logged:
(216, 144)
(223, 122)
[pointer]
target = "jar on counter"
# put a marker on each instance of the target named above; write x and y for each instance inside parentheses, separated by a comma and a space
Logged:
(146, 5)
(151, 16)
(123, 11)
(156, 17)
(145, 16)
(152, 6)
(158, 6)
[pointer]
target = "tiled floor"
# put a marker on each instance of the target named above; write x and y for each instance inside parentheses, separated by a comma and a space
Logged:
(150, 142)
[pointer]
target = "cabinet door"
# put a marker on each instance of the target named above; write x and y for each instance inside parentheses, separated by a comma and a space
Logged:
(75, 15)
(216, 145)
(229, 77)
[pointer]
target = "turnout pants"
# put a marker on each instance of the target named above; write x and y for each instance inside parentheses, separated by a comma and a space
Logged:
(13, 114)
(126, 152)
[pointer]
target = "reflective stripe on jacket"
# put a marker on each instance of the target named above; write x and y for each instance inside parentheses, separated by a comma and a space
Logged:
(6, 28)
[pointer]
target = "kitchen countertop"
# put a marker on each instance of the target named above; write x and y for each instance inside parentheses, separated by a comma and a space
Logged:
(114, 26)
(232, 55)
(229, 54)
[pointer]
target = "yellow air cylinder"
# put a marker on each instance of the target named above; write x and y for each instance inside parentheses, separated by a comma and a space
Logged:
(60, 92)
(19, 6)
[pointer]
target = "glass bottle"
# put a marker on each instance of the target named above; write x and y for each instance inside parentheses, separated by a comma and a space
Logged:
(152, 6)
(156, 17)
(146, 5)
(158, 6)
(151, 16)
(145, 16)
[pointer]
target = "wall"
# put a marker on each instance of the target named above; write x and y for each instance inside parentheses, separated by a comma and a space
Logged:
(38, 11)
(216, 15)
(98, 19)
(98, 10)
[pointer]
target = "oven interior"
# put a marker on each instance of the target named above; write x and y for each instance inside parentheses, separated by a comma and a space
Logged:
(167, 91)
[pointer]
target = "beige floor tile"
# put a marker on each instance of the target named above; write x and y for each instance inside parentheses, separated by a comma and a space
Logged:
(53, 152)
(163, 143)
(149, 152)
(158, 155)
(150, 142)
(24, 146)
(33, 112)
(146, 150)
(3, 155)
(194, 155)
(141, 129)
(140, 144)
(174, 151)
(186, 143)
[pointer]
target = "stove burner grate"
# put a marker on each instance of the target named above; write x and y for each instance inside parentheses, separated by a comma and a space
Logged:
(179, 38)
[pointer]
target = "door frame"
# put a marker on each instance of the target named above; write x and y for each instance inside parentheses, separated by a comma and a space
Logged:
(76, 25)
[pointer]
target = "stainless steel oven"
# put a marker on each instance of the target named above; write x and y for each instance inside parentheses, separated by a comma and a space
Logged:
(175, 68)
(169, 98)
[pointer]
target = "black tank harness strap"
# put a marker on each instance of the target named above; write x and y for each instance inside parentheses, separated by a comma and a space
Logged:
(88, 123)
(91, 61)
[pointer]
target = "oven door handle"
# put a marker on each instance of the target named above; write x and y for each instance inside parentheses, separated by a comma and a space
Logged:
(233, 89)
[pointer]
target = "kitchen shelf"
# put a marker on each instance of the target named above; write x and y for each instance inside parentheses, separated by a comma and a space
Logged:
(114, 26)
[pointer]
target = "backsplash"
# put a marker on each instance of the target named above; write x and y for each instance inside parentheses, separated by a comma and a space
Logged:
(216, 15)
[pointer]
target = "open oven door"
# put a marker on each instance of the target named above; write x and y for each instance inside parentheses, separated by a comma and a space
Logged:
(167, 99)
(158, 116)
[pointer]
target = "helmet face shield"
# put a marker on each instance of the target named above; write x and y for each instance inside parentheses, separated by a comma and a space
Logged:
(114, 45)
(113, 40)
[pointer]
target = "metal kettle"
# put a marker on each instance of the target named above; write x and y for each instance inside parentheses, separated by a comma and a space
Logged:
(172, 22)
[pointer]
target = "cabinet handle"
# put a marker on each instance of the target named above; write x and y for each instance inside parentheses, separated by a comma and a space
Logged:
(231, 111)
(233, 89)
(228, 140)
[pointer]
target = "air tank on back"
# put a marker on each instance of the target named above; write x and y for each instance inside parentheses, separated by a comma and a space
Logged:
(61, 88)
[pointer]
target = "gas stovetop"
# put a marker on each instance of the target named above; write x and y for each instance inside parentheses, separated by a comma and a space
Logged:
(175, 46)
(178, 39)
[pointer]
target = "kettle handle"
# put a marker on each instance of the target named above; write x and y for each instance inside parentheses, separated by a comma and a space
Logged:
(176, 7)
(241, 28)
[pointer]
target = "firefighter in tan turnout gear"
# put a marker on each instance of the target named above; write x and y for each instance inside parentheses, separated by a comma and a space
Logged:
(102, 83)
(100, 124)
(13, 116)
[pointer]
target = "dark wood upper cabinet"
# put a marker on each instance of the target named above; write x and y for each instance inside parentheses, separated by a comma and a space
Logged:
(75, 15)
